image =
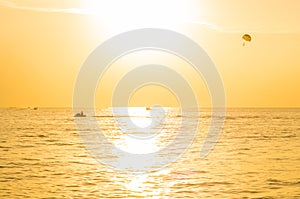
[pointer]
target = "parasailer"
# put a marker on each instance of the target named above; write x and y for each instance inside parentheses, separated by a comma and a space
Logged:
(246, 38)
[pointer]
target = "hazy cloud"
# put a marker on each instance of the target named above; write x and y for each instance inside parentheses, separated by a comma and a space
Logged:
(43, 9)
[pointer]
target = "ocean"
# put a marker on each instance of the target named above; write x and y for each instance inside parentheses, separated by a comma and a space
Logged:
(257, 156)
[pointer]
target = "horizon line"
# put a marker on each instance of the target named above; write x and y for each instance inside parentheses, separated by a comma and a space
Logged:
(206, 107)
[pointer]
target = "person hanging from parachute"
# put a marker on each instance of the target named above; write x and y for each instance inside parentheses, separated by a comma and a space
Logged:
(246, 38)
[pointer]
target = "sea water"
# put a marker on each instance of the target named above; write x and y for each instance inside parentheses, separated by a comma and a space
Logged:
(257, 156)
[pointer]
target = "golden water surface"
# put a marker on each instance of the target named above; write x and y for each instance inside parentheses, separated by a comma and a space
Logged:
(257, 156)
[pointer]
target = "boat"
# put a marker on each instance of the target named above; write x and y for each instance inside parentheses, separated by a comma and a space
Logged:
(79, 114)
(148, 108)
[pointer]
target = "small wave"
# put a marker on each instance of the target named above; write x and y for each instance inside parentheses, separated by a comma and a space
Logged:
(103, 116)
(51, 140)
(242, 117)
(41, 136)
(69, 129)
(61, 144)
(29, 159)
(4, 147)
(275, 182)
(24, 146)
(25, 128)
(265, 197)
(58, 174)
(27, 136)
(251, 191)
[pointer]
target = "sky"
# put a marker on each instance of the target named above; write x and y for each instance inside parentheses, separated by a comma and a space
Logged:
(44, 43)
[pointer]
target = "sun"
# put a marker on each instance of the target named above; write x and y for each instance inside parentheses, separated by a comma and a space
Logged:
(132, 14)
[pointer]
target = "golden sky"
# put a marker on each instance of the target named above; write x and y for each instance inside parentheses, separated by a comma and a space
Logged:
(44, 43)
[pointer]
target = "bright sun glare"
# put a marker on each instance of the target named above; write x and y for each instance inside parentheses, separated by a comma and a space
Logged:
(136, 13)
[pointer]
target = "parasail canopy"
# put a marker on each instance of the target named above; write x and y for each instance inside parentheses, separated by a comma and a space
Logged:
(246, 37)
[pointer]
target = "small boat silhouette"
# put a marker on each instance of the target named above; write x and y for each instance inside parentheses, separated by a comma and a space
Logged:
(79, 114)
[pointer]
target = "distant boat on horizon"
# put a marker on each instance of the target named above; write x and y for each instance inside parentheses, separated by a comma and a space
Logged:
(79, 114)
(148, 108)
